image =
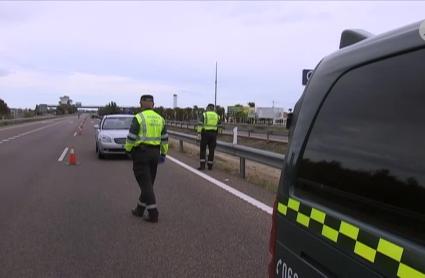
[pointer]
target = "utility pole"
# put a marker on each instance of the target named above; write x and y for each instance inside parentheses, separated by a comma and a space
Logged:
(215, 94)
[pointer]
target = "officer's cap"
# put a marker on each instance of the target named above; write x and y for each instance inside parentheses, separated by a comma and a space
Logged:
(146, 98)
(210, 106)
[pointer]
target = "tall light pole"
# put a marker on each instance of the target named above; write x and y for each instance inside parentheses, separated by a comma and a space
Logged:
(215, 94)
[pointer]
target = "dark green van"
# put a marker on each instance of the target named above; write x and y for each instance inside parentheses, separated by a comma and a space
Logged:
(351, 201)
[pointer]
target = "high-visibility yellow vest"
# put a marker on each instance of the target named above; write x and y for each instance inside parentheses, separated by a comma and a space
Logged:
(151, 125)
(150, 131)
(211, 119)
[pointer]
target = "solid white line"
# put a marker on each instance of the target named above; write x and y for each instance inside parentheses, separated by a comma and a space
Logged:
(63, 154)
(224, 186)
(5, 140)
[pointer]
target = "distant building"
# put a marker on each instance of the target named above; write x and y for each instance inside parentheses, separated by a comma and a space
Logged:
(65, 100)
(175, 101)
(41, 109)
(270, 114)
(237, 113)
(251, 113)
(16, 112)
(78, 104)
(235, 110)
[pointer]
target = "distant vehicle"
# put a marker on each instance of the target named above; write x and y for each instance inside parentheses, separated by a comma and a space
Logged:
(111, 134)
(351, 201)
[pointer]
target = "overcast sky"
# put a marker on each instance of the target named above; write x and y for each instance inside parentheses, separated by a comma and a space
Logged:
(96, 52)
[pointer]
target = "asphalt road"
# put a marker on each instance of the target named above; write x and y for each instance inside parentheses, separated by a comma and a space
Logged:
(74, 221)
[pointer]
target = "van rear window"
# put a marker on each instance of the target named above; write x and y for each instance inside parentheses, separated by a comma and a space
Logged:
(365, 155)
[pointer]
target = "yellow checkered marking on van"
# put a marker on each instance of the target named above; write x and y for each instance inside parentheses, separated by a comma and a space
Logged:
(405, 271)
(346, 234)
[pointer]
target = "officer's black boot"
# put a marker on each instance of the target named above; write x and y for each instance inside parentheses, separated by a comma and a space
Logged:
(153, 215)
(138, 211)
(202, 166)
(210, 165)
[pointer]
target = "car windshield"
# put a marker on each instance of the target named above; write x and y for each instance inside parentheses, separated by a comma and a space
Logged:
(117, 123)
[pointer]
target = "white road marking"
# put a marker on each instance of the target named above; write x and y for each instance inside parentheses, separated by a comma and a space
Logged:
(75, 134)
(27, 124)
(224, 186)
(31, 131)
(60, 159)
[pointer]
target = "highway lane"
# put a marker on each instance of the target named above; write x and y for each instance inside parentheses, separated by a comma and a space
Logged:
(74, 221)
(23, 157)
(8, 132)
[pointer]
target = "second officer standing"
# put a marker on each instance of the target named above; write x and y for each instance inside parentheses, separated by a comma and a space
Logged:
(147, 141)
(208, 128)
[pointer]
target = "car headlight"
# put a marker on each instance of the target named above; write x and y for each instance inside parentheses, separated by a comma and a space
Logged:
(105, 139)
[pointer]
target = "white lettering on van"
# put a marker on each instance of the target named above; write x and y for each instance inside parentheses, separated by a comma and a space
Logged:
(285, 270)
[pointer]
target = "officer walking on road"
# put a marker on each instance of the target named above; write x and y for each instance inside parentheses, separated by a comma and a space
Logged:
(147, 142)
(208, 129)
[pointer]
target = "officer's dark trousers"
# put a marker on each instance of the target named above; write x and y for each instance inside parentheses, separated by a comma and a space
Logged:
(145, 163)
(208, 138)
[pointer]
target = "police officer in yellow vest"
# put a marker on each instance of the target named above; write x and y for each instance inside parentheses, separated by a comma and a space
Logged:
(207, 127)
(147, 142)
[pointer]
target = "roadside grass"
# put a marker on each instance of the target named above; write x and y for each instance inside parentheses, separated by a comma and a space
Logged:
(261, 175)
(276, 147)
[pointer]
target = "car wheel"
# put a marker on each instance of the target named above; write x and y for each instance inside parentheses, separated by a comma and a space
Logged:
(100, 155)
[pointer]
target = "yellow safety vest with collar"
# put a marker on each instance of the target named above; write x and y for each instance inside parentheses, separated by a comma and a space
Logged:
(151, 132)
(211, 119)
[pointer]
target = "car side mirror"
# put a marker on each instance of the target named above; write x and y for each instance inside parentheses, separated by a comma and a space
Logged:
(96, 126)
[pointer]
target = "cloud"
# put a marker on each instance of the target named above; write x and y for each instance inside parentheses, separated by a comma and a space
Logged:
(105, 50)
(13, 12)
(99, 88)
(4, 72)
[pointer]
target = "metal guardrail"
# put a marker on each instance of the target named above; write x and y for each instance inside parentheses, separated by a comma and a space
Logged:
(272, 159)
(279, 130)
(25, 120)
(227, 129)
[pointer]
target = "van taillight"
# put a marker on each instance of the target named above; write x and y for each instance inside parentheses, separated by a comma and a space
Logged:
(272, 243)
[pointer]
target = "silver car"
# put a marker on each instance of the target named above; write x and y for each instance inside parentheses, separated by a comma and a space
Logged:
(111, 134)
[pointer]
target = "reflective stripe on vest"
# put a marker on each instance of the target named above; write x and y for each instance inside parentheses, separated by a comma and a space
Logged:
(210, 120)
(151, 125)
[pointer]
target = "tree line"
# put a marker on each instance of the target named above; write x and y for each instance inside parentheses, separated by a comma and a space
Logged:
(173, 114)
(4, 109)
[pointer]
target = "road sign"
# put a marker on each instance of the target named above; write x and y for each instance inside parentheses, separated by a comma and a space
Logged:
(306, 75)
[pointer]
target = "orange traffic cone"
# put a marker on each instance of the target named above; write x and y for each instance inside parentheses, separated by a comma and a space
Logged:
(72, 158)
